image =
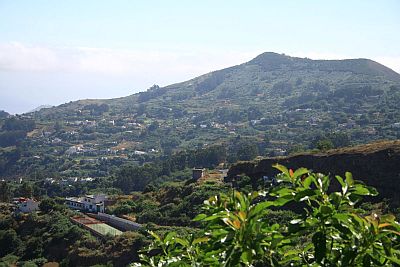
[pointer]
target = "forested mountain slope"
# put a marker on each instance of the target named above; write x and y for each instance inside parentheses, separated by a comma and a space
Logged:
(271, 105)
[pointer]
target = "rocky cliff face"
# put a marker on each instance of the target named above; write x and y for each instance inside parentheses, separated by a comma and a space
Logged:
(376, 164)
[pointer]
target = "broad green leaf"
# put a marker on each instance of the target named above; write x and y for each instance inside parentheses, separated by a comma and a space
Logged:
(281, 168)
(254, 194)
(258, 208)
(200, 240)
(291, 252)
(181, 241)
(282, 191)
(246, 256)
(340, 180)
(200, 217)
(212, 217)
(239, 196)
(304, 194)
(325, 183)
(349, 178)
(307, 182)
(361, 190)
(218, 233)
(169, 236)
(274, 227)
(343, 217)
(280, 201)
(299, 172)
(372, 190)
(156, 237)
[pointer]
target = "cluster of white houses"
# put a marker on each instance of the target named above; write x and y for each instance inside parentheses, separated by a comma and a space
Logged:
(90, 203)
(87, 203)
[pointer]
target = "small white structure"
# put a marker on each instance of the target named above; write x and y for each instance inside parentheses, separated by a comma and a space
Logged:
(72, 150)
(26, 205)
(138, 152)
(89, 203)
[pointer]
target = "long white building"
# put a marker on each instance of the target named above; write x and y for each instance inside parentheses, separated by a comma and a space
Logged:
(89, 203)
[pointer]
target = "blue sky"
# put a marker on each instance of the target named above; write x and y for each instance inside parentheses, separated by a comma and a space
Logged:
(53, 52)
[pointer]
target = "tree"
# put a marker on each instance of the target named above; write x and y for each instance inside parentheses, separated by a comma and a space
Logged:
(25, 190)
(57, 126)
(17, 124)
(243, 149)
(47, 205)
(5, 191)
(324, 144)
(134, 178)
(11, 138)
(339, 139)
(9, 242)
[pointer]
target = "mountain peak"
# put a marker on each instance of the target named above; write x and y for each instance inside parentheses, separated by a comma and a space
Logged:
(272, 61)
(270, 56)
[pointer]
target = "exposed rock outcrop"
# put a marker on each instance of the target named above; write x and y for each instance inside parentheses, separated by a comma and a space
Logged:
(376, 164)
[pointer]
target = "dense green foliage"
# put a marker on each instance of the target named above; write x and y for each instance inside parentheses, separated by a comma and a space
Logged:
(45, 237)
(331, 231)
(171, 204)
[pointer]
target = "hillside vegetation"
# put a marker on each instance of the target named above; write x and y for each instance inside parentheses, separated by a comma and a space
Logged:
(272, 105)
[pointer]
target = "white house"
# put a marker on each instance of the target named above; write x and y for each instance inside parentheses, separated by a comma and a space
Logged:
(89, 203)
(26, 205)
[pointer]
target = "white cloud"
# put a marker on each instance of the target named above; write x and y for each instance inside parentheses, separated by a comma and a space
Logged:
(19, 57)
(162, 66)
(16, 56)
(52, 75)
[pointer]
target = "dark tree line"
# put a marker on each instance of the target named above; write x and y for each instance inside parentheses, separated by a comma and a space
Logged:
(14, 130)
(136, 178)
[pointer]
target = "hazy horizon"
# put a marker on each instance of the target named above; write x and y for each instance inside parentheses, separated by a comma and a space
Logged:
(52, 53)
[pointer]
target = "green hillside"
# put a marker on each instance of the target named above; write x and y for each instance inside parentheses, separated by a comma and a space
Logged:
(272, 105)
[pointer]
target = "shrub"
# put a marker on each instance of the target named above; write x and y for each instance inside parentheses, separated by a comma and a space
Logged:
(330, 232)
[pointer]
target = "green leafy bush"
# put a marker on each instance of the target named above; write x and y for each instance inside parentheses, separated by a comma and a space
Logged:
(331, 231)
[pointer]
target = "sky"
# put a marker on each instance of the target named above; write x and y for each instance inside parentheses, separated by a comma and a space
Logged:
(53, 52)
